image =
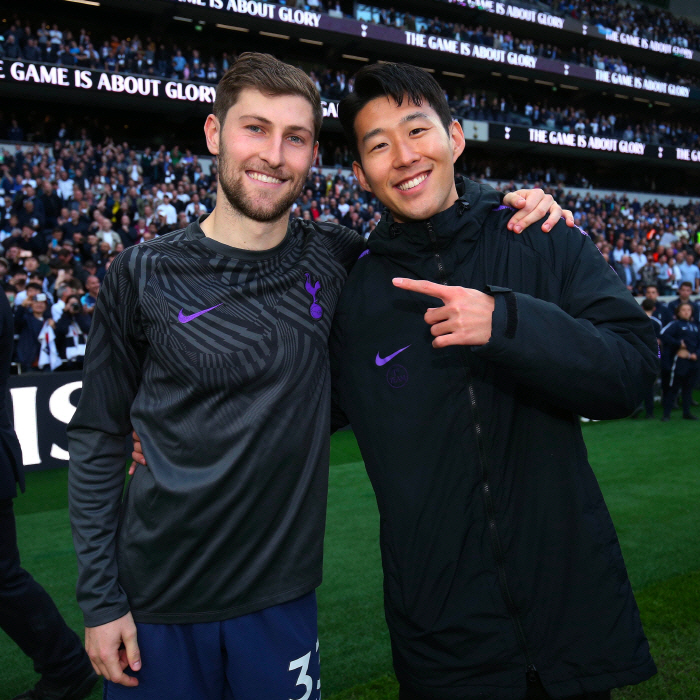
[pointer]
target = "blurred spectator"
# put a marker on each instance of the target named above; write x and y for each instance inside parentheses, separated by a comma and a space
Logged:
(660, 310)
(71, 331)
(690, 273)
(684, 292)
(26, 297)
(648, 402)
(680, 345)
(625, 272)
(62, 294)
(167, 210)
(639, 258)
(29, 322)
(64, 186)
(89, 299)
(105, 234)
(126, 232)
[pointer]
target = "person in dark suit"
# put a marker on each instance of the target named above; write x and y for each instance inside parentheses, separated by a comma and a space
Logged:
(625, 271)
(27, 613)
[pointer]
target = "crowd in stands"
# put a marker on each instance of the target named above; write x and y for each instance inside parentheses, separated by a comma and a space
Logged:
(635, 19)
(505, 39)
(66, 212)
(69, 209)
(481, 107)
(148, 56)
(151, 57)
(646, 243)
(155, 57)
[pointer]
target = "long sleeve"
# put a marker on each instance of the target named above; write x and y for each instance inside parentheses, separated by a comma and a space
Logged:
(63, 324)
(593, 353)
(111, 378)
(671, 337)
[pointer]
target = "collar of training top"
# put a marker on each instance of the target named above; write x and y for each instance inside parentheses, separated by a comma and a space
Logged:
(196, 236)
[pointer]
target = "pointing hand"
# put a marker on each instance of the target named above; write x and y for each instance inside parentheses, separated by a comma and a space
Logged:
(465, 318)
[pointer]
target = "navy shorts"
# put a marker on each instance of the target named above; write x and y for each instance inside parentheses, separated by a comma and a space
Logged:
(269, 654)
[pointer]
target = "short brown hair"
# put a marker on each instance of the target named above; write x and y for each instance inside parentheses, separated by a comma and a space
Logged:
(270, 76)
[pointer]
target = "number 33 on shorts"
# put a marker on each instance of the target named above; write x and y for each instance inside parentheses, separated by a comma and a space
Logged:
(307, 668)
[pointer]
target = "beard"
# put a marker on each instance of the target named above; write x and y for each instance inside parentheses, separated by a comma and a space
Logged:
(264, 208)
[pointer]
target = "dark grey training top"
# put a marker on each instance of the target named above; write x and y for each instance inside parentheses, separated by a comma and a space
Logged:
(217, 357)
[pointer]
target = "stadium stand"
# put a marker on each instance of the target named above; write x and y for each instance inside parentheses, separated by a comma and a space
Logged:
(158, 57)
(597, 102)
(70, 209)
(85, 179)
(510, 41)
(652, 23)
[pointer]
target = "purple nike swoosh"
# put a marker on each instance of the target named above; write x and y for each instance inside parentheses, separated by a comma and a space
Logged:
(381, 361)
(184, 318)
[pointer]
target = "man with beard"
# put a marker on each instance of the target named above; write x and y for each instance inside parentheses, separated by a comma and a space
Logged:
(211, 342)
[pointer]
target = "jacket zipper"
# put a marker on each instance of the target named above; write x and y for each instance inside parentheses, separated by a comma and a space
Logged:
(531, 671)
(433, 239)
(493, 532)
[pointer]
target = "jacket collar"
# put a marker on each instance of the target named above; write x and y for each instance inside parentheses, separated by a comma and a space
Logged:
(466, 217)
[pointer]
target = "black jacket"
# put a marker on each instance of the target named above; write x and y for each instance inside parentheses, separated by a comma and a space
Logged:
(10, 453)
(671, 336)
(28, 328)
(499, 553)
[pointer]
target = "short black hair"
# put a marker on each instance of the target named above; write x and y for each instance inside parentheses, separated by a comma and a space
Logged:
(396, 80)
(687, 284)
(648, 305)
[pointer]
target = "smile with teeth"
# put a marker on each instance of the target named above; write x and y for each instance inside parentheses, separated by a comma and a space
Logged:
(410, 184)
(265, 178)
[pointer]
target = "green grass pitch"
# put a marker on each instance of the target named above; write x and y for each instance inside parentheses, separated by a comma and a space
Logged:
(649, 472)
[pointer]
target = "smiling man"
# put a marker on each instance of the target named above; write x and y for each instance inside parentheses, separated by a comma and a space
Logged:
(211, 342)
(462, 356)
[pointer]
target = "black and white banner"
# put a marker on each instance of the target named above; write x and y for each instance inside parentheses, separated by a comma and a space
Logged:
(42, 405)
(281, 15)
(544, 19)
(69, 77)
(36, 75)
(605, 144)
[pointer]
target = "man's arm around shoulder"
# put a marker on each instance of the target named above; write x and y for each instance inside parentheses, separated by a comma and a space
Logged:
(593, 352)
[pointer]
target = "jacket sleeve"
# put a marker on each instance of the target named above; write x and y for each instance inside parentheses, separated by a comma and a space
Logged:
(84, 322)
(96, 474)
(593, 353)
(21, 313)
(63, 324)
(671, 336)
